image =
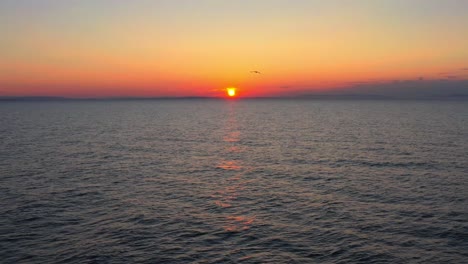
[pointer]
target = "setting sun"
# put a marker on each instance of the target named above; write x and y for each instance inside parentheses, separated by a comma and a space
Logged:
(231, 92)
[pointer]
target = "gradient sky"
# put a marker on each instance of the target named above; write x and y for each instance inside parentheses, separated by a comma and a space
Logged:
(96, 48)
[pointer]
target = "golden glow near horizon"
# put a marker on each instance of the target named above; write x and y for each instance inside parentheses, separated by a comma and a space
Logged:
(231, 91)
(193, 48)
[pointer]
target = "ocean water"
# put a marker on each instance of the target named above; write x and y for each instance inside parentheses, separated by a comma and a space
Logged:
(247, 181)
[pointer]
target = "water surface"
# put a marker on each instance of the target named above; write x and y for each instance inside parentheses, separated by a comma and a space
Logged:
(249, 181)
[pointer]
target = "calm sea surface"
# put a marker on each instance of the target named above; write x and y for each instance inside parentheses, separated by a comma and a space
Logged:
(253, 181)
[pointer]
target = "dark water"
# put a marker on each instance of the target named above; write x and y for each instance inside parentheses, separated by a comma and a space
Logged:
(208, 181)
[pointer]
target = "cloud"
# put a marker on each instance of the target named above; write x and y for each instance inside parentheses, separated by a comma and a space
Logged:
(399, 89)
(460, 73)
(357, 83)
(416, 89)
(454, 72)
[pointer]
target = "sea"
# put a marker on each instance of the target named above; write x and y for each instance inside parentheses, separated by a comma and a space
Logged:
(234, 181)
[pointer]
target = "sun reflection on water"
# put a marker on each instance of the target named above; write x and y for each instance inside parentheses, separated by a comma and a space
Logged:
(229, 197)
(229, 165)
(238, 223)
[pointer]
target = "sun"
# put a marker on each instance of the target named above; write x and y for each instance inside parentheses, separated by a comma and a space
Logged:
(231, 91)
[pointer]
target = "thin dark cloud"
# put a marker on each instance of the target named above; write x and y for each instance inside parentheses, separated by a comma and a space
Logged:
(416, 89)
(453, 72)
(449, 75)
(366, 82)
(357, 83)
(400, 89)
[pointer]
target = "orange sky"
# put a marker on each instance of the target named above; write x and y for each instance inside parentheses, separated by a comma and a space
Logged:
(198, 48)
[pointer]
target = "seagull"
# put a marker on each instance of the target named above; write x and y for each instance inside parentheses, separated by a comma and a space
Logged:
(256, 72)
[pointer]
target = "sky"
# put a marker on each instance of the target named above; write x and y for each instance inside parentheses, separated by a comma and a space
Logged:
(104, 48)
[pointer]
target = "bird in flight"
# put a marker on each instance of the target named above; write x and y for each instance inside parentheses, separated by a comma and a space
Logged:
(256, 72)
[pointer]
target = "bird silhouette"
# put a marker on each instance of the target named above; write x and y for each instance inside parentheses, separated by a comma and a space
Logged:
(256, 72)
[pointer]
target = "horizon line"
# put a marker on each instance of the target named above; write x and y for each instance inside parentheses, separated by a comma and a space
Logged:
(291, 97)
